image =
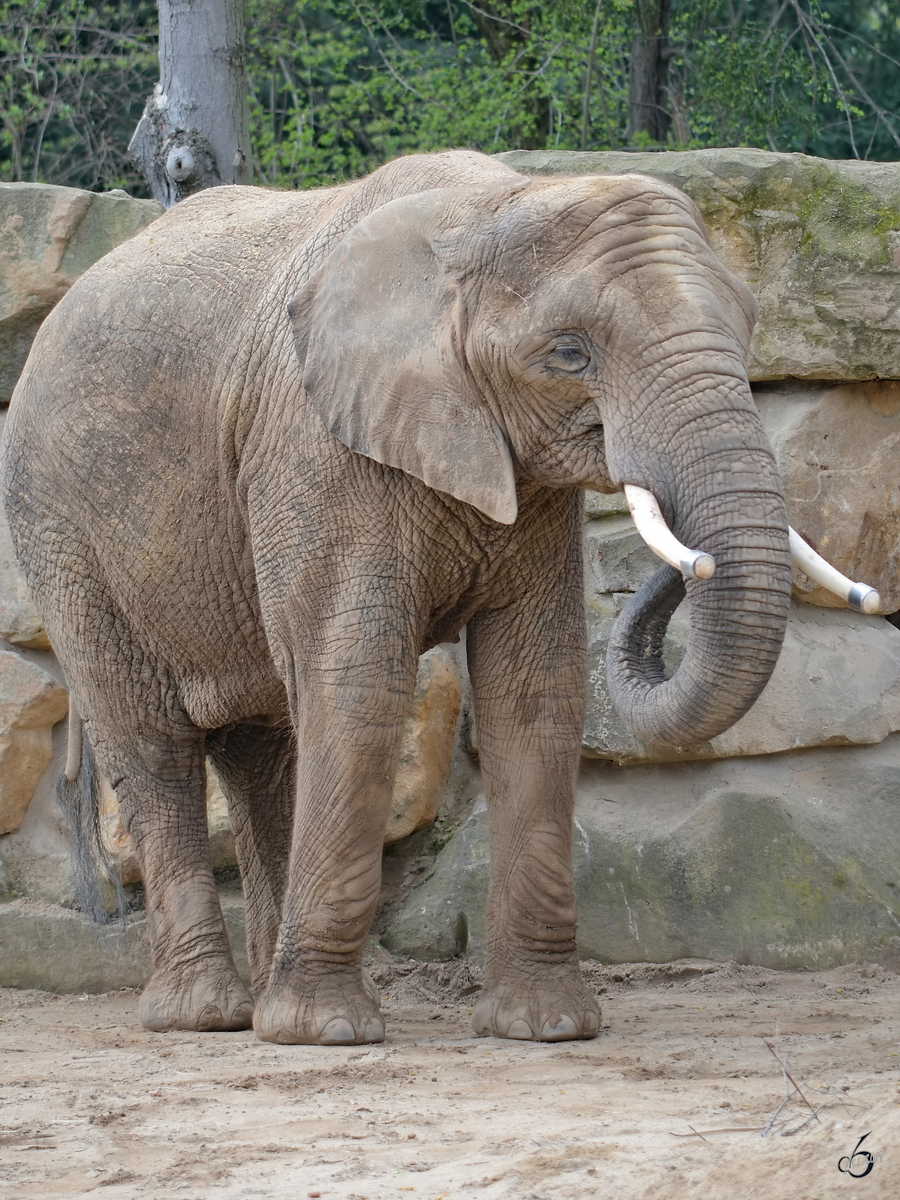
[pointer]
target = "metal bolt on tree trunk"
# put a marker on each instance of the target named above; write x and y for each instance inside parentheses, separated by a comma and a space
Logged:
(194, 132)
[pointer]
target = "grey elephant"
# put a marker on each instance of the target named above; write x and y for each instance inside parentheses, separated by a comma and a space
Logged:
(269, 451)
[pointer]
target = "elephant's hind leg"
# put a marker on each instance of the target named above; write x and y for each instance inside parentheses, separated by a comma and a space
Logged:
(256, 767)
(161, 785)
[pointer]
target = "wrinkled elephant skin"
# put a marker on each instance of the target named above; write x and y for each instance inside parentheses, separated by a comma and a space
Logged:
(280, 443)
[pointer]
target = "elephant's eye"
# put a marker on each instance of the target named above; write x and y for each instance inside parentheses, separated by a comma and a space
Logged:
(568, 356)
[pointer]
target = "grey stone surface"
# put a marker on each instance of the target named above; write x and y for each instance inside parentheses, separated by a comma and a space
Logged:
(781, 861)
(837, 681)
(818, 242)
(43, 946)
(616, 557)
(48, 237)
(838, 451)
(19, 620)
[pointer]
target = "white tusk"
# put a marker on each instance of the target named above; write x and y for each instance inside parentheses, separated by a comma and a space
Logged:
(652, 527)
(858, 595)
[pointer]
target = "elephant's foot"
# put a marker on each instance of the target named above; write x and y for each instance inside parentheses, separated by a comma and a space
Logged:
(557, 1008)
(203, 998)
(320, 1010)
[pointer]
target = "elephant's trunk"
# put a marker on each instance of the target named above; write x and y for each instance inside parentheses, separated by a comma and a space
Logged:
(738, 616)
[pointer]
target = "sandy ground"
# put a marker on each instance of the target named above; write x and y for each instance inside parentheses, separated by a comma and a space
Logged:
(671, 1100)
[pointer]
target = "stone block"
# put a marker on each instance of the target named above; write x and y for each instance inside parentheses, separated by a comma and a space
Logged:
(816, 240)
(782, 861)
(838, 450)
(19, 620)
(48, 237)
(31, 702)
(837, 682)
(427, 745)
(616, 557)
(43, 946)
(599, 504)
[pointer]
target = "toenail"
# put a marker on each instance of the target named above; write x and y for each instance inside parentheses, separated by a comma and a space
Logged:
(337, 1032)
(374, 1031)
(560, 1029)
(520, 1029)
(210, 1018)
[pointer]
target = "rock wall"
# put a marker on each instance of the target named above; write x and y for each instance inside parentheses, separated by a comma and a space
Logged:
(778, 842)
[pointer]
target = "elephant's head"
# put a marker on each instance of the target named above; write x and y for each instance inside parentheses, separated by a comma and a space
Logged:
(572, 332)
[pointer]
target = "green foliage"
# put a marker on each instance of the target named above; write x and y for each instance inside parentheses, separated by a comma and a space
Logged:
(339, 86)
(74, 76)
(744, 85)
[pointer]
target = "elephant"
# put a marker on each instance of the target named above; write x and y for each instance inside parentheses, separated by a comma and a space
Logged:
(280, 443)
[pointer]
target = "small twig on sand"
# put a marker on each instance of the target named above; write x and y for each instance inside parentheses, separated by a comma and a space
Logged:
(733, 1129)
(803, 1124)
(768, 1129)
(787, 1075)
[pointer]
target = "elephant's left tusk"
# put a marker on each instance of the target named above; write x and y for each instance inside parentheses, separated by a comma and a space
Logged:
(652, 527)
(858, 595)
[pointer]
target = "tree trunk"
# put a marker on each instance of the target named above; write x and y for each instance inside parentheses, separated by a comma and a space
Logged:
(648, 72)
(194, 132)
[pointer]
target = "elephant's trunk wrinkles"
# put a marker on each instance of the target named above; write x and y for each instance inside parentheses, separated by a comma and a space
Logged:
(737, 621)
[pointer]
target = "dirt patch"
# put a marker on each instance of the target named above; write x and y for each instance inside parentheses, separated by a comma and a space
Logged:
(694, 1062)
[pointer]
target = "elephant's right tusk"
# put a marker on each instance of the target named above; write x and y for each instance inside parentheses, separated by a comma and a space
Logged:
(858, 595)
(652, 527)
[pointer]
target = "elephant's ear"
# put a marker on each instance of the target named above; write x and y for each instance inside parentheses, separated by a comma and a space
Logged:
(380, 336)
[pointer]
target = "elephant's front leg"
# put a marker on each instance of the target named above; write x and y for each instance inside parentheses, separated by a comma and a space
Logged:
(527, 663)
(349, 709)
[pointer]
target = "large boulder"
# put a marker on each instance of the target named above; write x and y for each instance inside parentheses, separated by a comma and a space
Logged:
(782, 861)
(838, 451)
(31, 702)
(48, 237)
(817, 241)
(58, 950)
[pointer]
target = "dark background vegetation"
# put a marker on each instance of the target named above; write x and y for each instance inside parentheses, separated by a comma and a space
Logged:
(339, 86)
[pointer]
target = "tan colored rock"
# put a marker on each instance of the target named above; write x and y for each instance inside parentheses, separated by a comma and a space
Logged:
(838, 450)
(31, 702)
(816, 240)
(48, 237)
(837, 682)
(427, 746)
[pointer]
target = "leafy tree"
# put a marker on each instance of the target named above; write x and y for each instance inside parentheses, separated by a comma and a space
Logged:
(73, 77)
(339, 86)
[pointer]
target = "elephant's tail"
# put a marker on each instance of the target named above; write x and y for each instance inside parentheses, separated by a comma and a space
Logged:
(78, 795)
